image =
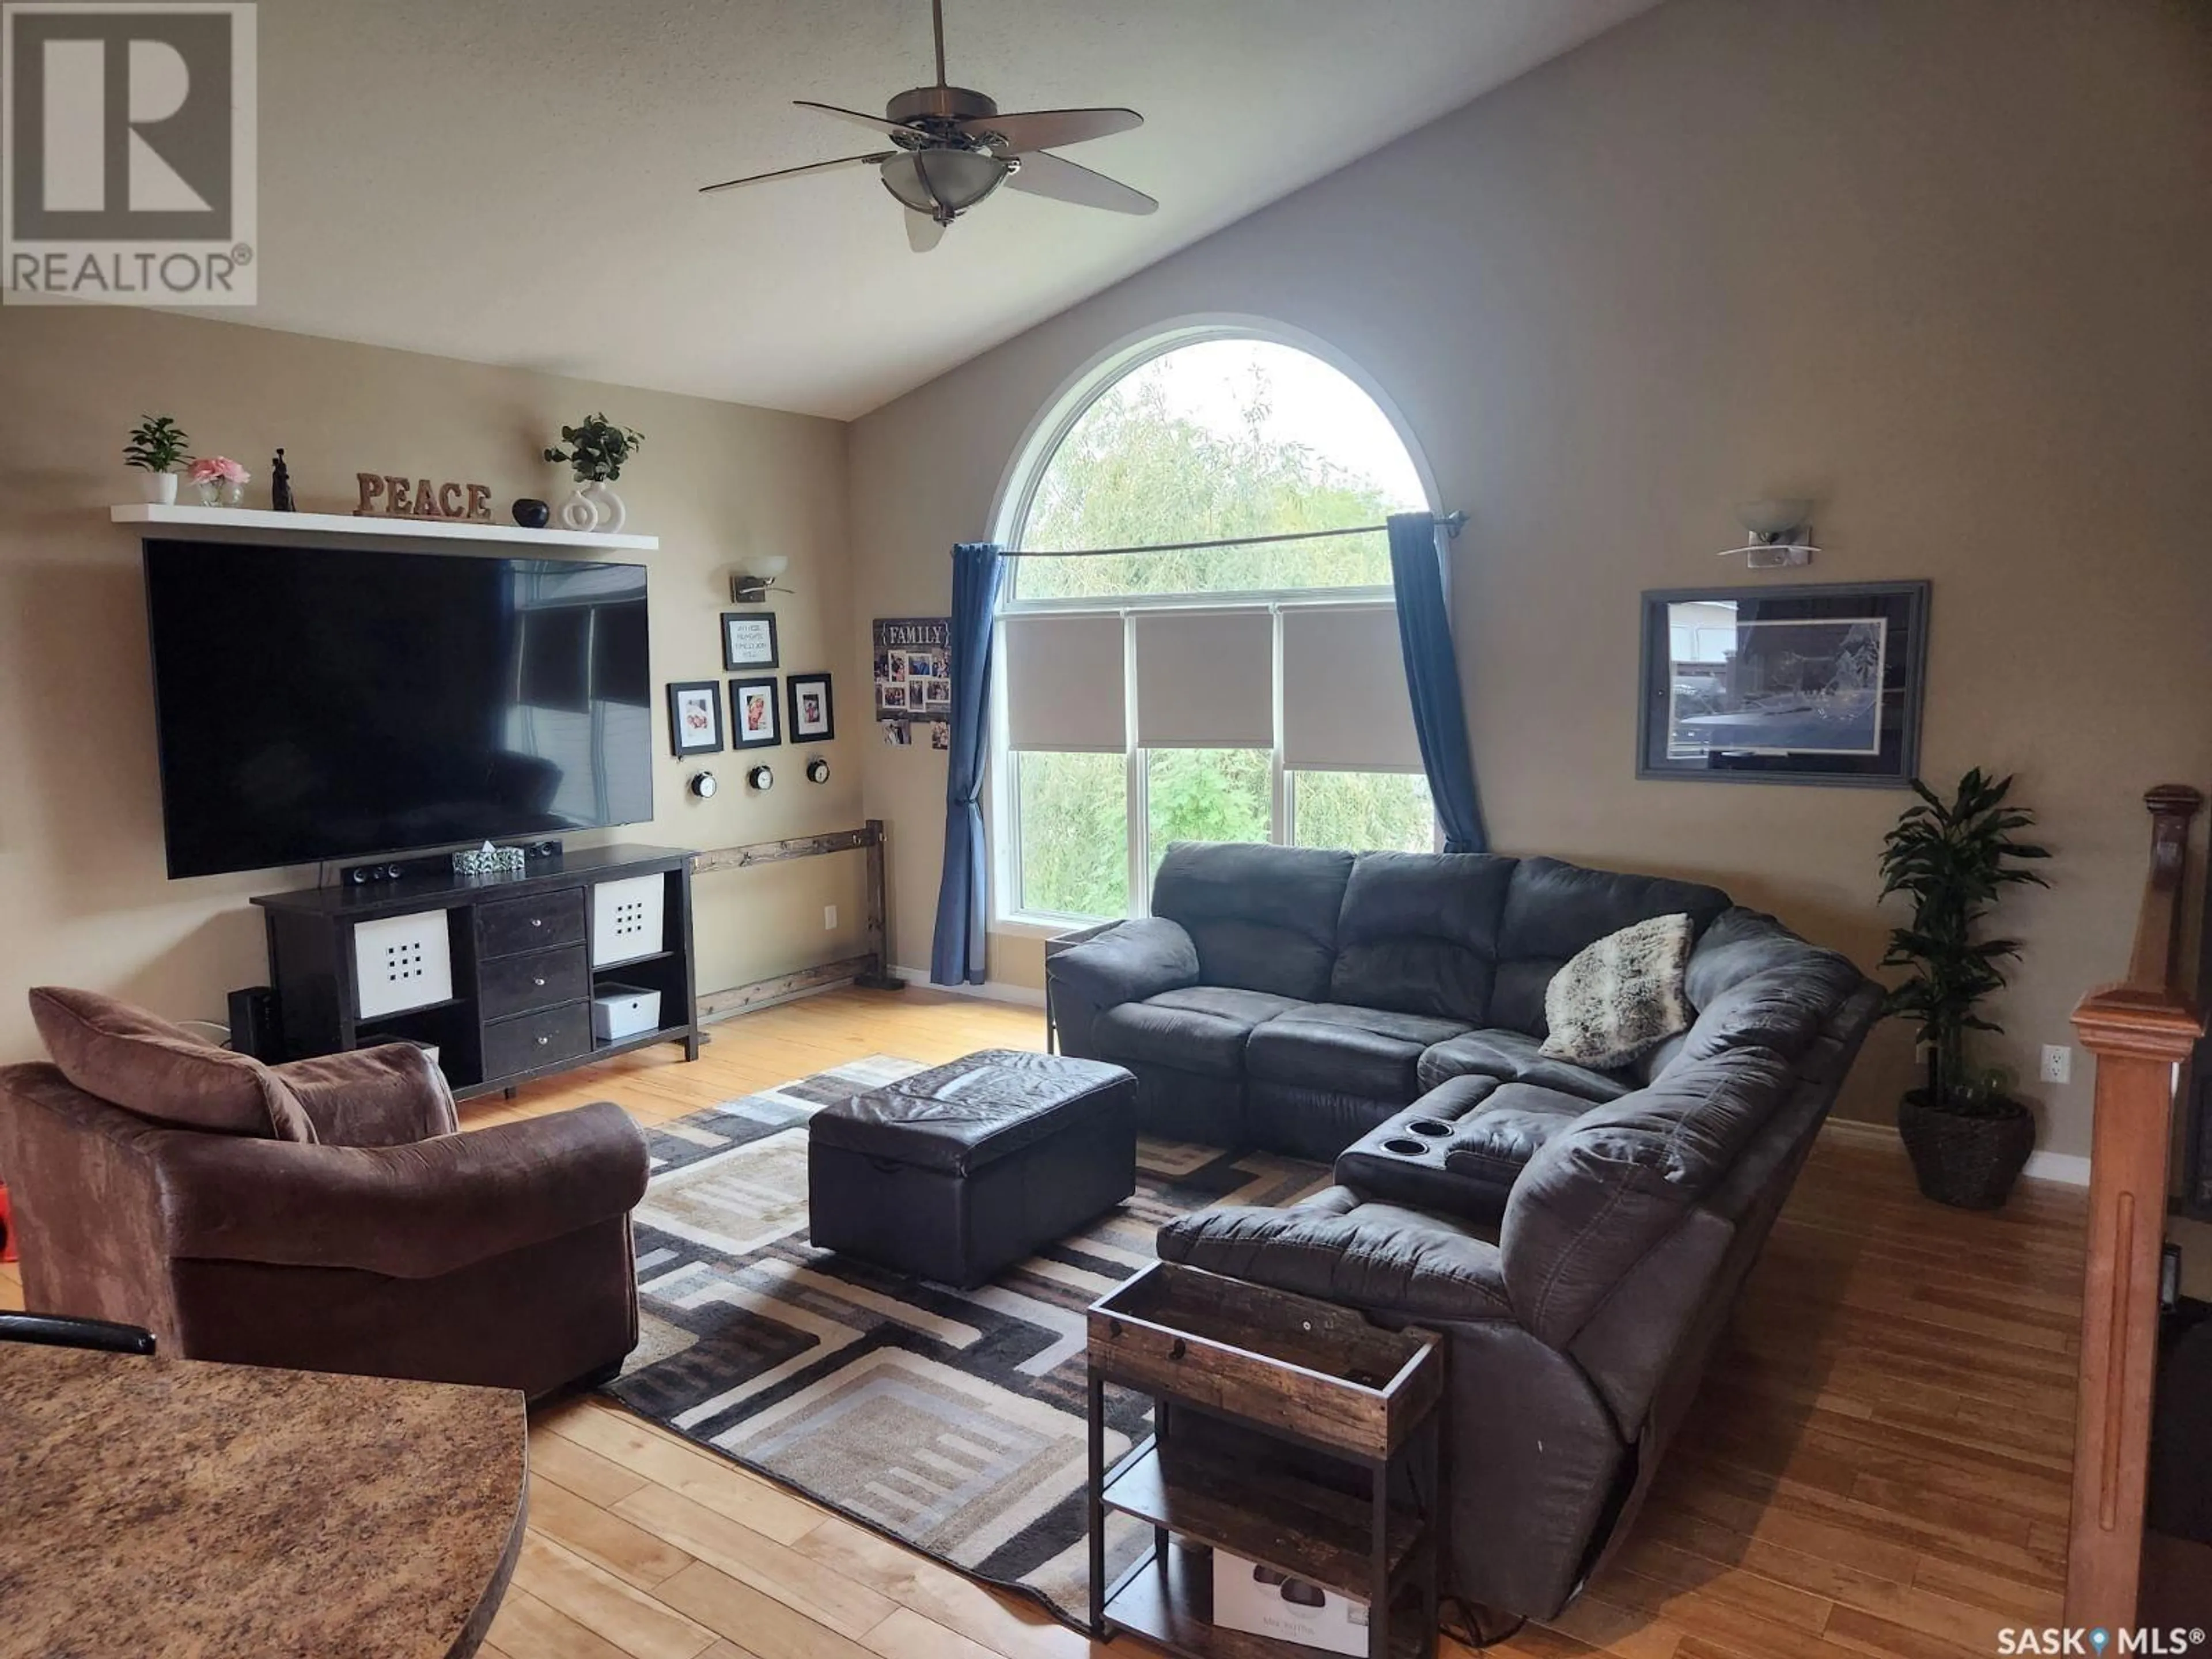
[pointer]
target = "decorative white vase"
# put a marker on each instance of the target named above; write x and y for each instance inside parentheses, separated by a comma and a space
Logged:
(159, 487)
(613, 512)
(579, 512)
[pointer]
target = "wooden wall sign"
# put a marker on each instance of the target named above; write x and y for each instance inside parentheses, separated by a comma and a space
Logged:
(384, 495)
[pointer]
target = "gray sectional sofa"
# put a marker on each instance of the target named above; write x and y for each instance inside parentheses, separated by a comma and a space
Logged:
(1579, 1236)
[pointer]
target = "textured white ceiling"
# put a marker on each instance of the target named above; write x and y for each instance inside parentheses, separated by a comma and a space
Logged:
(513, 181)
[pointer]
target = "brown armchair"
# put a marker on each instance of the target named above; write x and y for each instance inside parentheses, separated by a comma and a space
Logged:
(325, 1214)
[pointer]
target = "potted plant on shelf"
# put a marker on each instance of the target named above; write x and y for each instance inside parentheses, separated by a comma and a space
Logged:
(596, 450)
(1968, 1137)
(156, 448)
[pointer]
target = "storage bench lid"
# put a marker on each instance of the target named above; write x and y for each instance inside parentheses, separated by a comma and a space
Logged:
(968, 1114)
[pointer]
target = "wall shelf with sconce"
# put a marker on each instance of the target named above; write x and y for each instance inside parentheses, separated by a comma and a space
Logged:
(231, 521)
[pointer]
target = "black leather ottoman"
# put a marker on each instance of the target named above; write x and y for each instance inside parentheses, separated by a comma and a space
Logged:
(954, 1174)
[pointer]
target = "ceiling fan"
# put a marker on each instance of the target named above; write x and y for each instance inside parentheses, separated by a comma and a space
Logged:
(952, 149)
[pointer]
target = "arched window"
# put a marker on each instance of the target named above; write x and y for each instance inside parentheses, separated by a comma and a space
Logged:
(1200, 693)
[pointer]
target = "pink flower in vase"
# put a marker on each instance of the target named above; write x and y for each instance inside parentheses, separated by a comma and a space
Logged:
(220, 481)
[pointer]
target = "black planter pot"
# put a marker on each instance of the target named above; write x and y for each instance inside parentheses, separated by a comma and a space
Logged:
(1967, 1160)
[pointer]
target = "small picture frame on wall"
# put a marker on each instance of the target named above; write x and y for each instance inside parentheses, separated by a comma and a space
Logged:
(749, 640)
(755, 722)
(1811, 684)
(813, 715)
(694, 718)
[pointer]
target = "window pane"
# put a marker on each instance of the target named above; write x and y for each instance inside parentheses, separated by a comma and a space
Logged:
(1074, 812)
(1220, 438)
(1363, 811)
(1206, 794)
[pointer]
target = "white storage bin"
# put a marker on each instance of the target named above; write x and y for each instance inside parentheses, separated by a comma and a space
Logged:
(401, 963)
(626, 920)
(624, 1011)
(1250, 1597)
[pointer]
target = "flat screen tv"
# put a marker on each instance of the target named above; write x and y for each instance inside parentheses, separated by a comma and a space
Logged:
(317, 703)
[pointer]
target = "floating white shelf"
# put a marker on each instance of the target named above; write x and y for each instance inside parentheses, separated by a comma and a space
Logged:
(190, 521)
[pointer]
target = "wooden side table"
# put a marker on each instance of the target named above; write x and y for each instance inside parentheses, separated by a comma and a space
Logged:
(1338, 1393)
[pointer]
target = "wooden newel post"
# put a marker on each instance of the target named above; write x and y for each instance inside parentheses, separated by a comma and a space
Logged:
(2139, 1030)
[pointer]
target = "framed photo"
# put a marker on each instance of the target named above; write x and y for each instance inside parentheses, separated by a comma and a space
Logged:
(1801, 684)
(694, 718)
(754, 720)
(748, 639)
(813, 715)
(914, 668)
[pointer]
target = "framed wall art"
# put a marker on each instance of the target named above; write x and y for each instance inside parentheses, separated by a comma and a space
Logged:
(813, 716)
(914, 668)
(749, 640)
(694, 717)
(755, 722)
(1814, 684)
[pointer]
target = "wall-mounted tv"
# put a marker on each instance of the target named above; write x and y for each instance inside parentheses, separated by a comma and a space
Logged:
(317, 703)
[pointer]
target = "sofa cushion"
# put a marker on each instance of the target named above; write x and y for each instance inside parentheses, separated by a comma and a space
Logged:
(1620, 996)
(1201, 1029)
(1419, 934)
(1553, 910)
(161, 1072)
(1496, 1140)
(1261, 918)
(1606, 1191)
(1373, 1052)
(1515, 1057)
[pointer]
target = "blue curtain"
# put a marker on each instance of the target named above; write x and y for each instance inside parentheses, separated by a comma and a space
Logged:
(955, 956)
(1432, 679)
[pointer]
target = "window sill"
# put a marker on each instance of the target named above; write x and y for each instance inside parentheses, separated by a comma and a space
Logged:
(1034, 926)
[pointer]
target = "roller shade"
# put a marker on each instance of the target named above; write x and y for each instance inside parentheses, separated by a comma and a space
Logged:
(1205, 679)
(1345, 704)
(1064, 686)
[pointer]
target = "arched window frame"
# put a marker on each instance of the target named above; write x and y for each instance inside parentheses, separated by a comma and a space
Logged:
(1015, 500)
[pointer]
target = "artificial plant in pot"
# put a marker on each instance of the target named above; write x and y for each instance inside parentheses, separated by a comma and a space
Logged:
(156, 448)
(1968, 1137)
(596, 452)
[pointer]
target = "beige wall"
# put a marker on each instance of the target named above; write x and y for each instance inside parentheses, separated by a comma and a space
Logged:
(83, 899)
(1939, 266)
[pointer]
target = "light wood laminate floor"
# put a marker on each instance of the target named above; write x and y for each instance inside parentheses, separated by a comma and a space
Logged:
(1878, 1464)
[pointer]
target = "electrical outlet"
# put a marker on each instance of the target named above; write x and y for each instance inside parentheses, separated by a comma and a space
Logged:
(828, 917)
(2058, 1063)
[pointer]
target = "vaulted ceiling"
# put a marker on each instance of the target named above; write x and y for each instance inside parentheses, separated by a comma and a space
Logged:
(515, 181)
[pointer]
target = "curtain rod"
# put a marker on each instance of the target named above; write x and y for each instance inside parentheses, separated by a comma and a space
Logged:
(1450, 523)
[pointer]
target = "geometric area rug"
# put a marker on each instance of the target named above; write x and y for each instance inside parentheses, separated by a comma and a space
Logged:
(949, 1420)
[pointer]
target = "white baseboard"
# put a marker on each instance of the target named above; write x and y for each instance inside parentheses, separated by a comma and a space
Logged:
(2062, 1167)
(989, 991)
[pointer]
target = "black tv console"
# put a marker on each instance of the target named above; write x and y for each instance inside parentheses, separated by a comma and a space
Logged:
(498, 972)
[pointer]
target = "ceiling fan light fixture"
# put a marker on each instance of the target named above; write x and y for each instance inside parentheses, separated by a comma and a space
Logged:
(944, 183)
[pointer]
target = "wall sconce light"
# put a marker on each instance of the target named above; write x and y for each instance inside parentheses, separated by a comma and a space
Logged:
(1779, 533)
(755, 589)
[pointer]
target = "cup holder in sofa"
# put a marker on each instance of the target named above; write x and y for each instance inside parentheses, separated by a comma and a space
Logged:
(1427, 1127)
(1406, 1146)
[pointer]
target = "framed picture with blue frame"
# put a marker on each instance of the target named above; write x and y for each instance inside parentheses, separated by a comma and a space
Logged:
(1798, 683)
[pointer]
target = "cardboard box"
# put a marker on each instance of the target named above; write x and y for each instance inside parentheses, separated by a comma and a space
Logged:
(1250, 1597)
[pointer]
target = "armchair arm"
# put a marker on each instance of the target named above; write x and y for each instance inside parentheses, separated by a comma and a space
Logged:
(1387, 1260)
(410, 1211)
(388, 1095)
(1127, 962)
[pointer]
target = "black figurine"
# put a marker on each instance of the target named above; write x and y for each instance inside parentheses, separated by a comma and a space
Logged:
(280, 486)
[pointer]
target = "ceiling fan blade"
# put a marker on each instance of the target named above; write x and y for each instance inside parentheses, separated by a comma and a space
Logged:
(1045, 174)
(897, 129)
(1047, 129)
(922, 232)
(791, 173)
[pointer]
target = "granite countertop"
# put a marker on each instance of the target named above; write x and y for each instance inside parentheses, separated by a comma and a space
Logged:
(171, 1507)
